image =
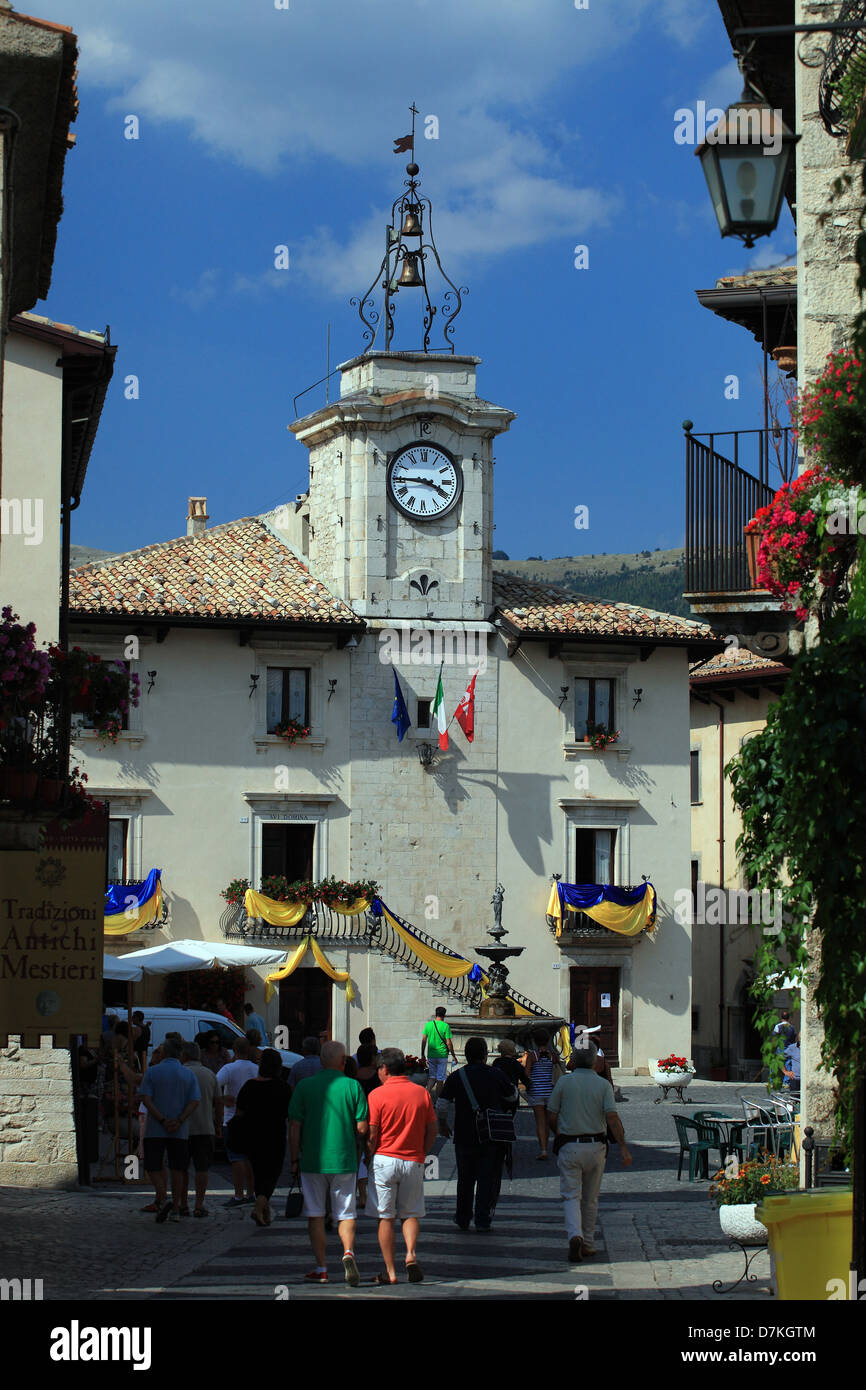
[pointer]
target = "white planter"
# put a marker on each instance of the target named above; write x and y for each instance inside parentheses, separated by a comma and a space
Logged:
(739, 1222)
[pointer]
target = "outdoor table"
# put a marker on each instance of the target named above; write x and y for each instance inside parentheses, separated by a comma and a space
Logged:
(730, 1130)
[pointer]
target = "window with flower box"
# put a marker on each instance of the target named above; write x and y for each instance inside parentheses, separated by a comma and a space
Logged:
(288, 695)
(594, 704)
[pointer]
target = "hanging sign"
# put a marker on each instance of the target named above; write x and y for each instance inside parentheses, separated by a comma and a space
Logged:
(52, 902)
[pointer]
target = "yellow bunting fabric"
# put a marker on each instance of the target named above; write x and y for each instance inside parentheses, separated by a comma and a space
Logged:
(626, 921)
(358, 906)
(565, 1043)
(122, 923)
(276, 914)
(452, 967)
(340, 977)
(292, 963)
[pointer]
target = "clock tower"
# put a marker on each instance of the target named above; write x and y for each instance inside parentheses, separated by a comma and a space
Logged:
(400, 520)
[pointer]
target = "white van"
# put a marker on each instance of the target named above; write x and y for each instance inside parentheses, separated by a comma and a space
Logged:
(189, 1022)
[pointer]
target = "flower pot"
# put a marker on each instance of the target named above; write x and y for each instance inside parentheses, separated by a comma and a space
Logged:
(739, 1222)
(753, 545)
(785, 358)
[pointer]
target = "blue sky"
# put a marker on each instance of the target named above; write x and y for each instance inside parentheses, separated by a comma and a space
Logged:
(261, 126)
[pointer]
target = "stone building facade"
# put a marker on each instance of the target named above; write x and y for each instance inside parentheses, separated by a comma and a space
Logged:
(344, 588)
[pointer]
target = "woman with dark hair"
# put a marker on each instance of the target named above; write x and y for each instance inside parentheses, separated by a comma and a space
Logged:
(263, 1109)
(544, 1068)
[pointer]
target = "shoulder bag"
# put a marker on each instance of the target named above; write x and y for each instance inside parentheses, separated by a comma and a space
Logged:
(294, 1198)
(491, 1126)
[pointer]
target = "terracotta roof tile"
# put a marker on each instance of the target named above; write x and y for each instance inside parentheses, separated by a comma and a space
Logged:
(736, 661)
(544, 609)
(240, 571)
(754, 279)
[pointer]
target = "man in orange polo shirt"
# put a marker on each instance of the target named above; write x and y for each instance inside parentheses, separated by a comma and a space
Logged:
(402, 1131)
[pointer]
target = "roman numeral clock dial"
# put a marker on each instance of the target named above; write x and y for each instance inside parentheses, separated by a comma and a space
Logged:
(424, 482)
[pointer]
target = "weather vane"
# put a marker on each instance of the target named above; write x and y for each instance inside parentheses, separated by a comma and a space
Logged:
(409, 244)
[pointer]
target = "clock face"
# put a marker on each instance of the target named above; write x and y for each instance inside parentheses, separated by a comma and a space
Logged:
(423, 481)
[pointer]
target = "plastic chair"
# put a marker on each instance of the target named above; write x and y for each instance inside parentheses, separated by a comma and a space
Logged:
(697, 1149)
(731, 1143)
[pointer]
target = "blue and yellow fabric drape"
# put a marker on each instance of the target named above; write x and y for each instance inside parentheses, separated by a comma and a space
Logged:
(627, 911)
(340, 977)
(278, 914)
(129, 907)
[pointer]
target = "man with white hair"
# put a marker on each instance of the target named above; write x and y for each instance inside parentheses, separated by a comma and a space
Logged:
(581, 1108)
(327, 1113)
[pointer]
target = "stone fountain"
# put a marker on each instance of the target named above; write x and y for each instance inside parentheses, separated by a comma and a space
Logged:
(496, 1018)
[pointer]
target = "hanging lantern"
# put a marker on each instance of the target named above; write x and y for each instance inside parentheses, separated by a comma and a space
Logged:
(746, 158)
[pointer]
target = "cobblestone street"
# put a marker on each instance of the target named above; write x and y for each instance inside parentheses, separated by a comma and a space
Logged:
(657, 1238)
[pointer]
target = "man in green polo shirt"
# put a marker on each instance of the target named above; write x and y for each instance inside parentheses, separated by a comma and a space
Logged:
(435, 1046)
(326, 1114)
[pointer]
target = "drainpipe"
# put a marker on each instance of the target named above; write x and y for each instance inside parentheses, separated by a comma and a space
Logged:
(721, 710)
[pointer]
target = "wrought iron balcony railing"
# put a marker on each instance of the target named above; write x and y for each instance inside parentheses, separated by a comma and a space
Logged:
(722, 496)
(365, 929)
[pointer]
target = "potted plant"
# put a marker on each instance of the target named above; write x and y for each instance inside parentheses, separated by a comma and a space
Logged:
(737, 1189)
(235, 891)
(292, 730)
(600, 736)
(831, 422)
(671, 1073)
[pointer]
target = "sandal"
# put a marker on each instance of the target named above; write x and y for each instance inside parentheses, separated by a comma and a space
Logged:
(383, 1279)
(152, 1208)
(414, 1273)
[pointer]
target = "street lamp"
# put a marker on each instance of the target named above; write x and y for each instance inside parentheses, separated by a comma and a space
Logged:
(745, 158)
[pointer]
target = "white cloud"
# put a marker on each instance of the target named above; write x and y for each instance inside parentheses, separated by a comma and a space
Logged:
(328, 80)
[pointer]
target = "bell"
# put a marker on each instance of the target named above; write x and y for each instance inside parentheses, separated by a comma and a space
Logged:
(409, 277)
(411, 223)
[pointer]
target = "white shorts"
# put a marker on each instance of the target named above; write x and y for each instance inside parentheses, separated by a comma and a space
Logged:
(398, 1187)
(438, 1067)
(316, 1186)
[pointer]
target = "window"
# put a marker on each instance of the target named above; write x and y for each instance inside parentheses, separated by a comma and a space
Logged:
(696, 876)
(695, 773)
(85, 721)
(422, 720)
(593, 704)
(288, 695)
(287, 850)
(594, 856)
(118, 837)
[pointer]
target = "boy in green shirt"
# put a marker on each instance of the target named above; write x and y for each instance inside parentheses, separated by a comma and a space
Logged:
(435, 1045)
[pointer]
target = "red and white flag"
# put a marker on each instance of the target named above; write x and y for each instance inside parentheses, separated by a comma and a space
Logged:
(465, 711)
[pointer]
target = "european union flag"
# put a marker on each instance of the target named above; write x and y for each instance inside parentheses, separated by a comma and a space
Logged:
(400, 717)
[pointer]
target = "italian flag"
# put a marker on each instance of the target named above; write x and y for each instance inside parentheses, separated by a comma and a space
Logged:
(438, 712)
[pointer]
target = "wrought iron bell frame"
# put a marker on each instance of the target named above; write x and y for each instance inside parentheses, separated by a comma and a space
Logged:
(401, 244)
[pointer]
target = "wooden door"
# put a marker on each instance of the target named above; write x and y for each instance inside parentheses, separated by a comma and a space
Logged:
(595, 1000)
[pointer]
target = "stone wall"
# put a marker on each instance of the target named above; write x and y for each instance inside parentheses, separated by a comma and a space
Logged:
(827, 303)
(37, 1125)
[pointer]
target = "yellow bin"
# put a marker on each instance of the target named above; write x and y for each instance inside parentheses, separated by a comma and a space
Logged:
(810, 1242)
